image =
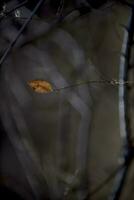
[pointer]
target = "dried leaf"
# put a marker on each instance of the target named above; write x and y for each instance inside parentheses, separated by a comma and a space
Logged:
(40, 86)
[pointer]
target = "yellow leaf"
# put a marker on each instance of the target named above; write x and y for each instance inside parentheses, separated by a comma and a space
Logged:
(40, 86)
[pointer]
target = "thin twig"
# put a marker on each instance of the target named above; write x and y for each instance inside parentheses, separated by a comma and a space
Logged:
(5, 14)
(20, 31)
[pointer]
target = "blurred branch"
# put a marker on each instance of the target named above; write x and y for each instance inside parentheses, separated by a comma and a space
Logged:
(68, 16)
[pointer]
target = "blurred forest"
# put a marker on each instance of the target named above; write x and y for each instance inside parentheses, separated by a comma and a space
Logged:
(63, 144)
